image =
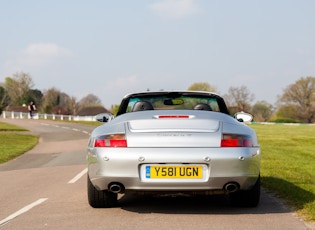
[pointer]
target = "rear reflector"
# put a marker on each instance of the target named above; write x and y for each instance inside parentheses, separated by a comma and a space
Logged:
(112, 140)
(235, 140)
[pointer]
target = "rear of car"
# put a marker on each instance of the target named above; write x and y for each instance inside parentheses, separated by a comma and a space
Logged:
(173, 151)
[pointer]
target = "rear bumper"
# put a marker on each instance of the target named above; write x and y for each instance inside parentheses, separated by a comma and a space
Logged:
(223, 165)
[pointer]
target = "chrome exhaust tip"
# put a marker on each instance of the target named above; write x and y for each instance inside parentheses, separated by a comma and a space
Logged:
(116, 188)
(231, 187)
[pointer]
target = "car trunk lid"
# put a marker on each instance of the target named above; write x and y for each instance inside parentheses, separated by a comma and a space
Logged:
(173, 131)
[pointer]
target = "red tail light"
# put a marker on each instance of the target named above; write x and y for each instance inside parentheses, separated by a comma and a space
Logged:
(235, 140)
(112, 140)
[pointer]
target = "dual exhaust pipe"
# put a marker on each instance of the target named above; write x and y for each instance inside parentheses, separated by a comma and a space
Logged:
(117, 187)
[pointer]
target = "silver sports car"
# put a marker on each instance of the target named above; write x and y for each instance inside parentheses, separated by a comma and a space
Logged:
(173, 142)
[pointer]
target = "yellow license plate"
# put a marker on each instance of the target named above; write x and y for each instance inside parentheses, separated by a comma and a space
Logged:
(173, 172)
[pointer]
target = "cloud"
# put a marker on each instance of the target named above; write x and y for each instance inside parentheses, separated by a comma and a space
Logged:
(36, 56)
(175, 9)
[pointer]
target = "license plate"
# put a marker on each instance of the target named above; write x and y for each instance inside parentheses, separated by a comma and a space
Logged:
(174, 172)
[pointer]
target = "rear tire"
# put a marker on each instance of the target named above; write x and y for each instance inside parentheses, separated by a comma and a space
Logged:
(246, 198)
(100, 199)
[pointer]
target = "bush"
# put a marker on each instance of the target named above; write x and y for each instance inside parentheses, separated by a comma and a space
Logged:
(285, 120)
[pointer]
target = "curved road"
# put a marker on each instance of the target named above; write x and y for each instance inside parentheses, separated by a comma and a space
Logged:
(46, 189)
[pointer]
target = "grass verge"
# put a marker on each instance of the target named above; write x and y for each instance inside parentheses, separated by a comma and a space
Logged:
(287, 168)
(9, 127)
(13, 144)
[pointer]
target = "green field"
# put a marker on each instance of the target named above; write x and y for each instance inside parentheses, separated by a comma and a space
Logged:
(288, 156)
(288, 164)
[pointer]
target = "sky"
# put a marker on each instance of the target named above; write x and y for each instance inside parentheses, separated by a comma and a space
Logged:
(112, 48)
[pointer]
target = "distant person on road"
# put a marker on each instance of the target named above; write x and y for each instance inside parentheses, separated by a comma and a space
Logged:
(31, 109)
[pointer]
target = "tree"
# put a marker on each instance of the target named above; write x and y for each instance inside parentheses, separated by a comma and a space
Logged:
(17, 87)
(287, 113)
(90, 104)
(4, 98)
(50, 100)
(302, 95)
(74, 106)
(262, 111)
(202, 86)
(89, 100)
(239, 97)
(55, 101)
(34, 95)
(65, 102)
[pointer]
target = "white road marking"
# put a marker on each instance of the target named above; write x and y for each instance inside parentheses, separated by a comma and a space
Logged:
(77, 177)
(65, 127)
(21, 211)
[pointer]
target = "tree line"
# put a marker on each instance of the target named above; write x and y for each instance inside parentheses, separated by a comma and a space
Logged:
(296, 104)
(18, 91)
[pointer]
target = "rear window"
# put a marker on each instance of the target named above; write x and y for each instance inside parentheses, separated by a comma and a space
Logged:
(178, 103)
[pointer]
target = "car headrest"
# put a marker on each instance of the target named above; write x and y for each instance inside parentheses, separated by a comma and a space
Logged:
(202, 106)
(141, 106)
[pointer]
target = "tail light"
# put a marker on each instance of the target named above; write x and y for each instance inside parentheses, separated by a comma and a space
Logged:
(112, 140)
(235, 140)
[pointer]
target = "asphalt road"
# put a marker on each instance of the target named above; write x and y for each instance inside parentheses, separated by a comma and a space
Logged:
(46, 189)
